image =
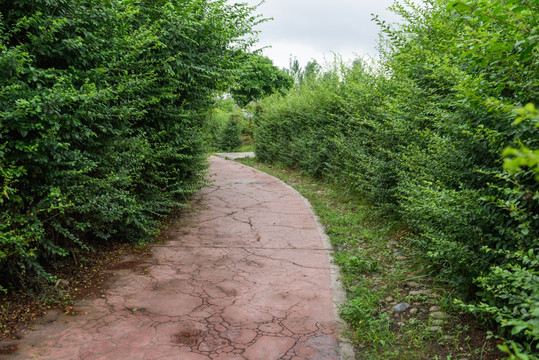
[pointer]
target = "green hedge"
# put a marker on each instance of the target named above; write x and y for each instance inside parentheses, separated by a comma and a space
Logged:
(422, 135)
(102, 118)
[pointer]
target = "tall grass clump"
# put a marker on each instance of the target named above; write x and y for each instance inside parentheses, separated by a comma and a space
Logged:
(424, 136)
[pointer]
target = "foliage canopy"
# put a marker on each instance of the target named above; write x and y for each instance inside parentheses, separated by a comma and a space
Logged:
(260, 78)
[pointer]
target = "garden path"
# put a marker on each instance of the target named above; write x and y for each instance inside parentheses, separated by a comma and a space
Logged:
(243, 274)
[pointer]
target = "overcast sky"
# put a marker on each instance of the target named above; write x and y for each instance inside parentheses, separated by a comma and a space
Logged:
(313, 29)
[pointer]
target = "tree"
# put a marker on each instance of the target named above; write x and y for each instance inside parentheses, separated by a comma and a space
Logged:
(311, 70)
(294, 69)
(260, 78)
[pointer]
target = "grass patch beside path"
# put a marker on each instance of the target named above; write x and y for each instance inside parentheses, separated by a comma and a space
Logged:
(245, 148)
(380, 271)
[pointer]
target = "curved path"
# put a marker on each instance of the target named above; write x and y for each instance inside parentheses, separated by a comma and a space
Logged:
(244, 275)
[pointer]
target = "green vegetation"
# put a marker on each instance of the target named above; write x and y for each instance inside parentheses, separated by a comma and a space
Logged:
(369, 249)
(230, 122)
(301, 74)
(229, 138)
(107, 111)
(442, 135)
(230, 128)
(259, 79)
(103, 108)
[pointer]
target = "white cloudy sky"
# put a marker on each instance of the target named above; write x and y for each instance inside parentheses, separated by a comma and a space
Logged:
(314, 29)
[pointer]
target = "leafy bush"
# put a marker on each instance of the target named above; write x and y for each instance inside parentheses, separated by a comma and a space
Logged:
(229, 138)
(228, 125)
(510, 291)
(102, 118)
(259, 79)
(422, 135)
(216, 120)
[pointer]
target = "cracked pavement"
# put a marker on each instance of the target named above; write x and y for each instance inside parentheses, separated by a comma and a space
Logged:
(244, 274)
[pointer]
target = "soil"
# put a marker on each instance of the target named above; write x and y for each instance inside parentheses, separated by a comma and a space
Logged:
(470, 344)
(479, 347)
(80, 279)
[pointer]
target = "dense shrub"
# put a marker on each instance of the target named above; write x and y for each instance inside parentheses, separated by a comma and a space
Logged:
(259, 79)
(422, 136)
(229, 138)
(102, 118)
(217, 118)
(229, 125)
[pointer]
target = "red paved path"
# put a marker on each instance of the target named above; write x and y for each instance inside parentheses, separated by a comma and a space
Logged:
(245, 275)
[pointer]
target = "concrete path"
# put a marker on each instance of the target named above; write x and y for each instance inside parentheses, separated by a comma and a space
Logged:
(244, 275)
(234, 156)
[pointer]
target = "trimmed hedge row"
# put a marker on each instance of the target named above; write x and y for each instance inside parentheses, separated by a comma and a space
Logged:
(102, 118)
(422, 135)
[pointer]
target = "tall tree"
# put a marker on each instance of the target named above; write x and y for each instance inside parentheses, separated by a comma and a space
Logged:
(311, 70)
(260, 78)
(294, 69)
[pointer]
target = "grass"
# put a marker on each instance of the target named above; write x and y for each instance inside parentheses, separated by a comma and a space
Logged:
(245, 148)
(379, 269)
